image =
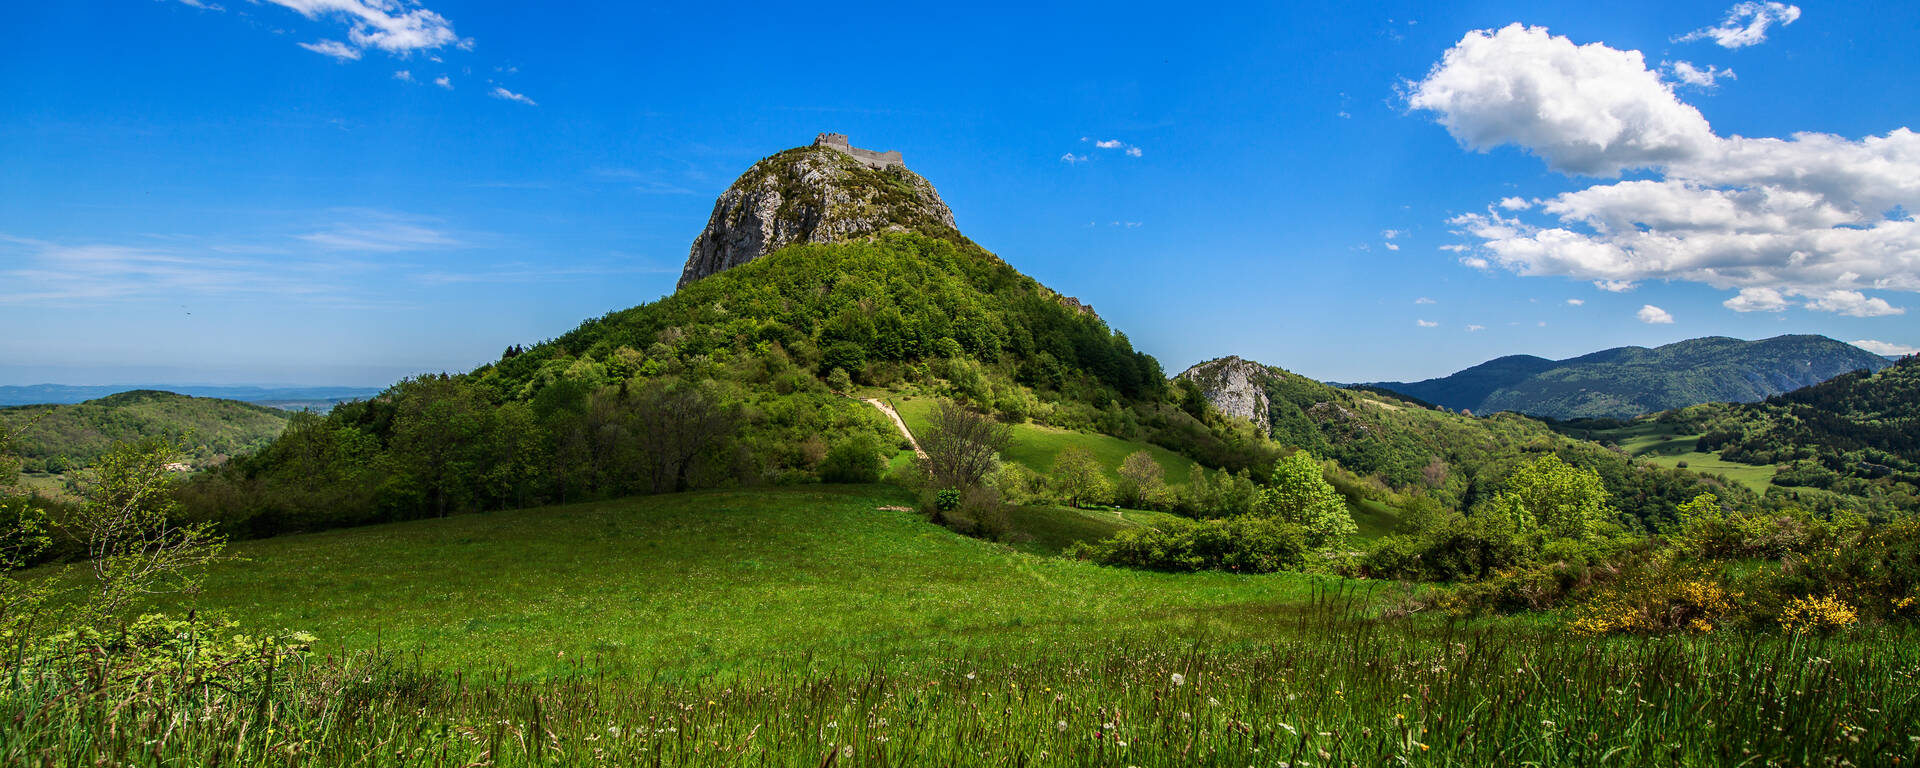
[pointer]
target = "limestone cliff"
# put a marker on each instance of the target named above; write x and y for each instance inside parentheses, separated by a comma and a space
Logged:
(827, 192)
(1234, 387)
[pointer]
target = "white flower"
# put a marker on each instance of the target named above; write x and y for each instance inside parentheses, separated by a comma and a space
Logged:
(1179, 679)
(1060, 726)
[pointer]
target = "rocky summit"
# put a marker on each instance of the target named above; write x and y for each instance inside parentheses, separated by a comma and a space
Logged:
(1233, 386)
(830, 191)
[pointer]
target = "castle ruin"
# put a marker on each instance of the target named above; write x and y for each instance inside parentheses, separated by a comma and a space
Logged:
(867, 157)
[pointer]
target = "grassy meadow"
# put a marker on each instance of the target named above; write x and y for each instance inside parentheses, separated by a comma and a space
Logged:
(1035, 445)
(1669, 446)
(811, 626)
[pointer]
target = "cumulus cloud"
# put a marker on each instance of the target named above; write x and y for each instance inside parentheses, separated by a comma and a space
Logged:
(1653, 315)
(1576, 302)
(334, 48)
(1423, 300)
(1582, 108)
(1757, 300)
(1426, 323)
(1133, 151)
(403, 75)
(1515, 203)
(1472, 328)
(1686, 73)
(1811, 217)
(444, 82)
(1109, 144)
(1073, 159)
(1746, 24)
(504, 94)
(1886, 348)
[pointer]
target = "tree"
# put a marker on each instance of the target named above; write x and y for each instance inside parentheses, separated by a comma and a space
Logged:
(1299, 493)
(961, 445)
(1076, 476)
(126, 521)
(1142, 480)
(1563, 500)
(23, 536)
(675, 423)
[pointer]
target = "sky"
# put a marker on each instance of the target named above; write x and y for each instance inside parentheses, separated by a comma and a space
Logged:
(344, 192)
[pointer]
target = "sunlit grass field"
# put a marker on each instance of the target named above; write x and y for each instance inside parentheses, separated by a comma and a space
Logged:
(1667, 446)
(809, 626)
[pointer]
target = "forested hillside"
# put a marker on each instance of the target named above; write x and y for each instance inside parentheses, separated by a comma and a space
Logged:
(58, 438)
(1451, 460)
(1625, 382)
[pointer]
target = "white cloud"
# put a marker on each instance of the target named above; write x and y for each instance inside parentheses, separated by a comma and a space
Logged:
(203, 5)
(1806, 216)
(333, 48)
(1583, 109)
(1073, 159)
(1423, 300)
(1515, 203)
(1757, 300)
(1853, 304)
(1687, 74)
(379, 232)
(444, 82)
(1109, 144)
(1133, 151)
(1391, 233)
(389, 25)
(1614, 286)
(1454, 248)
(1426, 323)
(1475, 262)
(1472, 328)
(1886, 348)
(1653, 315)
(1575, 302)
(1746, 24)
(502, 93)
(403, 75)
(1391, 246)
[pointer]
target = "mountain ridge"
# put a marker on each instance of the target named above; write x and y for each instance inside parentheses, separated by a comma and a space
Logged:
(1623, 382)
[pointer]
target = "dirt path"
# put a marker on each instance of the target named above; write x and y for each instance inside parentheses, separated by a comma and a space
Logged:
(897, 423)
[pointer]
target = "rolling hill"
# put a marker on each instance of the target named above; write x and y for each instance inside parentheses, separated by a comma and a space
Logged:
(1625, 382)
(58, 438)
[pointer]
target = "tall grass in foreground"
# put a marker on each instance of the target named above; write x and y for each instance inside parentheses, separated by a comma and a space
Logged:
(1339, 691)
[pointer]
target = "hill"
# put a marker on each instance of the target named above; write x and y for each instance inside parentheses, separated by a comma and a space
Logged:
(740, 377)
(58, 438)
(1857, 434)
(1413, 451)
(1625, 382)
(287, 398)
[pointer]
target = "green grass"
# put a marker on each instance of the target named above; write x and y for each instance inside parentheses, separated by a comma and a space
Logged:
(701, 581)
(1036, 446)
(1667, 446)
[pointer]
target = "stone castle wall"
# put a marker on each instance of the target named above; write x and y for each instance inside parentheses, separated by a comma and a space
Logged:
(872, 159)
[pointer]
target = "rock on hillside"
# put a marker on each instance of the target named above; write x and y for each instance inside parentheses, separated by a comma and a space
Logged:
(827, 192)
(1233, 386)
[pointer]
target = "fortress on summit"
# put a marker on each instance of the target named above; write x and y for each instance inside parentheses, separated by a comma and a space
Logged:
(872, 159)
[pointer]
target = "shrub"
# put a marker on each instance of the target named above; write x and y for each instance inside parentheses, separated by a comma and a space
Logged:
(855, 461)
(1143, 483)
(1453, 548)
(1299, 493)
(1658, 600)
(1017, 484)
(1244, 544)
(1076, 477)
(1817, 614)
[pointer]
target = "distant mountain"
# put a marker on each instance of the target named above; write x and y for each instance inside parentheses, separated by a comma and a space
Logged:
(57, 438)
(1628, 381)
(291, 398)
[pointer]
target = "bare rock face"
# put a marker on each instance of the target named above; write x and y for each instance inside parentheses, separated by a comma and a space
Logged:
(1233, 386)
(827, 192)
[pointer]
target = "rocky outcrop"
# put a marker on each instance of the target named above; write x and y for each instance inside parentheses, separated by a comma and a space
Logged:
(827, 192)
(1234, 387)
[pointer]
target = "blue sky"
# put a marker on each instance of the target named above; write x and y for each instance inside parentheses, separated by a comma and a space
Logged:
(287, 191)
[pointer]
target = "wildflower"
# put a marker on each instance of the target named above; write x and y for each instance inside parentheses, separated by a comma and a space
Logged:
(1179, 679)
(1060, 726)
(846, 751)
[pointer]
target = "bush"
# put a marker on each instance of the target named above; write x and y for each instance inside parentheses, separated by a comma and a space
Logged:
(1244, 544)
(1658, 600)
(855, 461)
(1453, 548)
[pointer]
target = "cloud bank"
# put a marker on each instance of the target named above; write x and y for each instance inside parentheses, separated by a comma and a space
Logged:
(1813, 219)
